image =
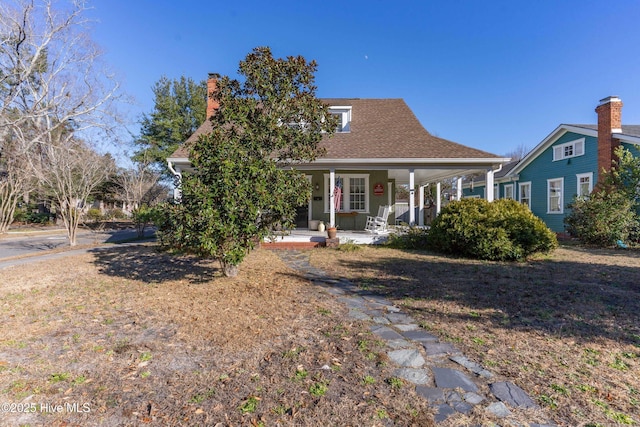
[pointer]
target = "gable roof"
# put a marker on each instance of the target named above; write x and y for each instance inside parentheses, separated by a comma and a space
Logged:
(629, 134)
(379, 129)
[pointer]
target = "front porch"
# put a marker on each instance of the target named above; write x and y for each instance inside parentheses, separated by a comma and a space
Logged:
(301, 238)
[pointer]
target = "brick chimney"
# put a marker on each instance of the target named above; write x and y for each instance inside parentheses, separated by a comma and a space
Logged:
(212, 104)
(609, 123)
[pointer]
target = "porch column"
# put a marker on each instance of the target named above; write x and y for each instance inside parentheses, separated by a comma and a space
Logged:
(177, 192)
(412, 202)
(332, 197)
(459, 188)
(421, 205)
(489, 186)
(438, 198)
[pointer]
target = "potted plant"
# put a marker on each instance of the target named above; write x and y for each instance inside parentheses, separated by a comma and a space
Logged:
(332, 232)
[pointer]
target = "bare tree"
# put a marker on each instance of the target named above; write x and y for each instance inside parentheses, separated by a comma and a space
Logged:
(139, 185)
(518, 153)
(70, 171)
(51, 81)
(16, 180)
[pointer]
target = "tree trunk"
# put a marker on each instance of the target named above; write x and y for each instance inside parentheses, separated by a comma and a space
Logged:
(8, 203)
(229, 270)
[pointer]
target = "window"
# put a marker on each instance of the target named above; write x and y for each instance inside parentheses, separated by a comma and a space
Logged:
(344, 118)
(496, 192)
(568, 150)
(508, 191)
(354, 192)
(340, 125)
(525, 194)
(554, 195)
(585, 184)
(357, 194)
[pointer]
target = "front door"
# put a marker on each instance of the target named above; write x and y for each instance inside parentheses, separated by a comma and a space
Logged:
(302, 216)
(303, 213)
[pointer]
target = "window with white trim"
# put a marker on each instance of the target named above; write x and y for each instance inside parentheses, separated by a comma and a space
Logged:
(344, 118)
(354, 192)
(496, 192)
(357, 194)
(525, 193)
(508, 191)
(585, 184)
(555, 190)
(568, 149)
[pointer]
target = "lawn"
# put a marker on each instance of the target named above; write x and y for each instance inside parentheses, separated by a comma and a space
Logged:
(565, 328)
(130, 336)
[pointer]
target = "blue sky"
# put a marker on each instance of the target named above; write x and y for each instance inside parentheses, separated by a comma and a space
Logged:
(492, 75)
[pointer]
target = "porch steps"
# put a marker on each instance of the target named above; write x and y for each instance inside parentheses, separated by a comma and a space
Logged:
(291, 245)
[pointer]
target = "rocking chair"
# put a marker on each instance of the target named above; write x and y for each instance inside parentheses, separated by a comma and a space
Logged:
(378, 224)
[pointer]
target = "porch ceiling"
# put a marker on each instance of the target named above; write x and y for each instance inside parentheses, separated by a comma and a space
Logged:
(428, 176)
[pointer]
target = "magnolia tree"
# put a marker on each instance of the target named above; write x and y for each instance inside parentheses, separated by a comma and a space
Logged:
(245, 182)
(51, 82)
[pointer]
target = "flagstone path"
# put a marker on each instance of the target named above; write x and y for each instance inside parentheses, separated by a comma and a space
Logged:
(440, 372)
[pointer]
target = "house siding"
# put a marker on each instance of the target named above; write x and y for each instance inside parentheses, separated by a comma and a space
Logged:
(544, 168)
(478, 191)
(348, 222)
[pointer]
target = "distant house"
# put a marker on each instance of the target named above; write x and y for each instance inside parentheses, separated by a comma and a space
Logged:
(379, 144)
(566, 164)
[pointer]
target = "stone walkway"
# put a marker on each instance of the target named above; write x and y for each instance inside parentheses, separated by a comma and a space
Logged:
(441, 373)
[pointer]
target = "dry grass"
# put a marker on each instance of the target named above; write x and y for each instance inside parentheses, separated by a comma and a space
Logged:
(135, 337)
(565, 328)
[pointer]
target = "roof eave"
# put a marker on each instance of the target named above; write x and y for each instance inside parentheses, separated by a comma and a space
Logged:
(405, 162)
(548, 141)
(631, 139)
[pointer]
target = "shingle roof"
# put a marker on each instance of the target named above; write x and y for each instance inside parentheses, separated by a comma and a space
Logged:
(387, 128)
(379, 128)
(506, 168)
(631, 130)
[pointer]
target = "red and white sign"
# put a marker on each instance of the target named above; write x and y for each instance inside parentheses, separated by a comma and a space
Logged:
(378, 189)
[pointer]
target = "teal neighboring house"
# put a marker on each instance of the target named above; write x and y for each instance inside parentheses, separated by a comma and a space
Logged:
(566, 164)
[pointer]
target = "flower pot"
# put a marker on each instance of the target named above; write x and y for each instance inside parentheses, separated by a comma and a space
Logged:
(332, 232)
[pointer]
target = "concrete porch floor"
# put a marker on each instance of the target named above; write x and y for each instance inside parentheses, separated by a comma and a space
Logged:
(304, 235)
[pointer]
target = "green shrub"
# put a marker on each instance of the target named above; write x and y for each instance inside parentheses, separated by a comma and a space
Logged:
(602, 219)
(414, 238)
(116, 213)
(94, 214)
(144, 216)
(20, 215)
(27, 216)
(502, 230)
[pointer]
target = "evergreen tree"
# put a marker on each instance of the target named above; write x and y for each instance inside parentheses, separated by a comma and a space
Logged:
(180, 108)
(245, 182)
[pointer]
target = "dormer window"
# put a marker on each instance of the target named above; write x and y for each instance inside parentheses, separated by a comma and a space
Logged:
(344, 118)
(568, 150)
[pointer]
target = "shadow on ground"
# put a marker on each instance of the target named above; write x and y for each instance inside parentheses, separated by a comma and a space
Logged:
(147, 264)
(568, 298)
